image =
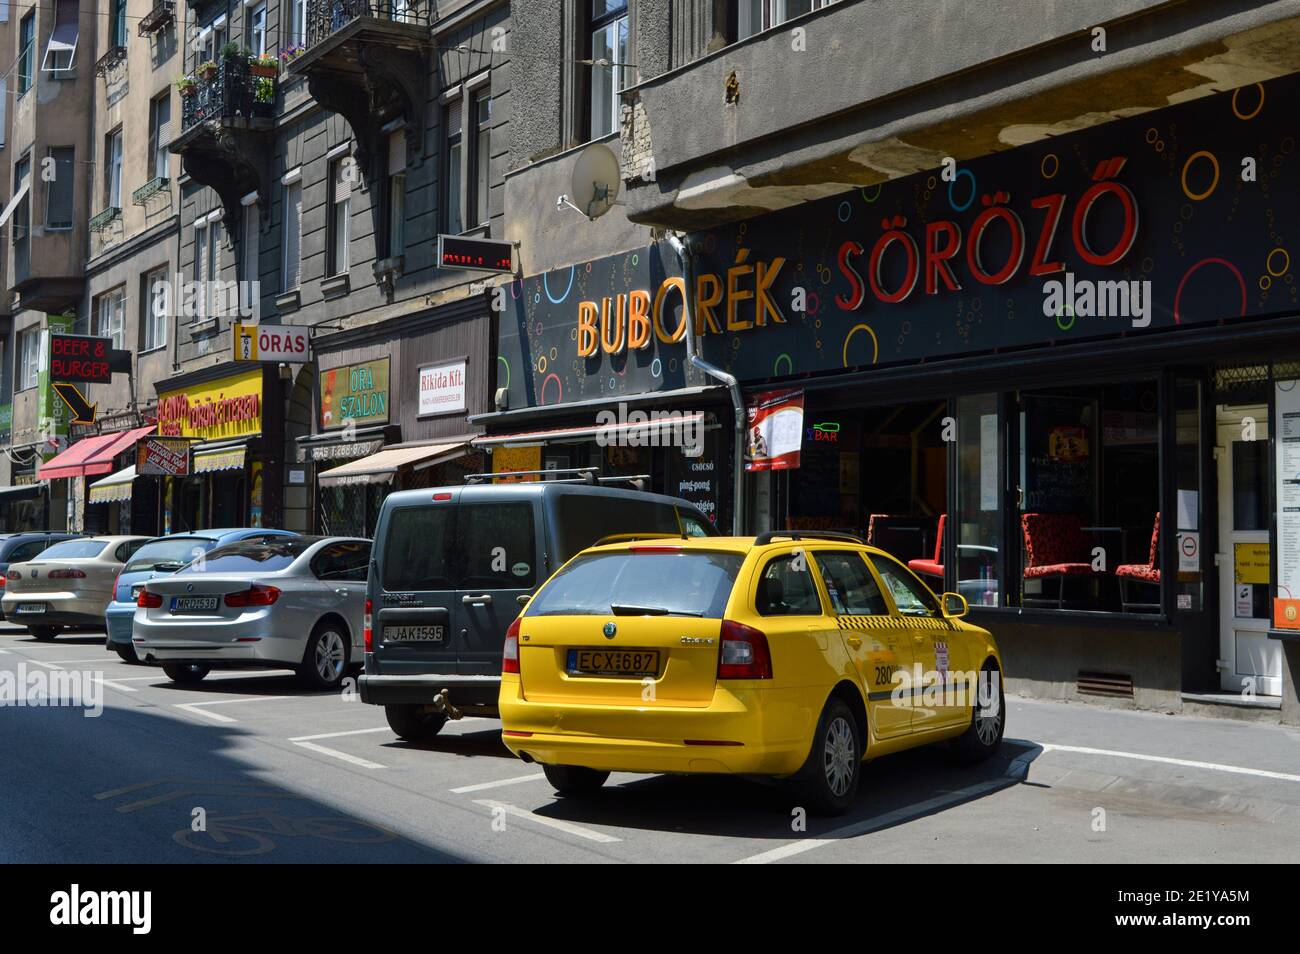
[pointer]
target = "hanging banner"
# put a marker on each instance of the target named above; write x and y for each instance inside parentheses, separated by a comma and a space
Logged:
(775, 431)
(162, 457)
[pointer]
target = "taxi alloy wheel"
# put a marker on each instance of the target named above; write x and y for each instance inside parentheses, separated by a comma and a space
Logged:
(828, 782)
(988, 718)
(839, 755)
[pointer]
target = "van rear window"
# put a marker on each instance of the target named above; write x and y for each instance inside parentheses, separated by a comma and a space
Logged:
(692, 583)
(479, 546)
(418, 551)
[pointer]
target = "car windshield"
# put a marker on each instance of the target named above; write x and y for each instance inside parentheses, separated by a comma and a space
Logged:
(251, 557)
(168, 555)
(660, 582)
(73, 549)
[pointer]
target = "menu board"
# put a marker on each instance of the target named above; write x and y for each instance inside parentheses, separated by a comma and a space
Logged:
(1286, 402)
(1059, 438)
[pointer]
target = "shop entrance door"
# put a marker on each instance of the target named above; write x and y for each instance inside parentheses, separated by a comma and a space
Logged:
(1247, 657)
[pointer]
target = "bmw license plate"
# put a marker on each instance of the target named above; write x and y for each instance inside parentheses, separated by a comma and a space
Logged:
(613, 662)
(33, 608)
(193, 604)
(413, 634)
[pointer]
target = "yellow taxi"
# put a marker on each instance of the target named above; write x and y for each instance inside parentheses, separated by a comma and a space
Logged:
(795, 655)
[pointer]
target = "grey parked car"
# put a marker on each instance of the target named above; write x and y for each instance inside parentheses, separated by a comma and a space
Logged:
(293, 603)
(451, 566)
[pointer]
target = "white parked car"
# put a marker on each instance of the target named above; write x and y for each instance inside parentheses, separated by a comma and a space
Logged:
(292, 603)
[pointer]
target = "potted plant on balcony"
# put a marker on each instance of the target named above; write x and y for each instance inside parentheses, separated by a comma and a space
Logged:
(207, 70)
(291, 52)
(186, 86)
(263, 89)
(265, 65)
(233, 51)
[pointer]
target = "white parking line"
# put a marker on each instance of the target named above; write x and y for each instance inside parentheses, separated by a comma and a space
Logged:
(484, 786)
(99, 659)
(556, 823)
(193, 707)
(335, 753)
(45, 664)
(336, 735)
(113, 684)
(1188, 763)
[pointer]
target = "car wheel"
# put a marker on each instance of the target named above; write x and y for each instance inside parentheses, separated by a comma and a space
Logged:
(43, 633)
(414, 725)
(126, 652)
(828, 781)
(189, 672)
(574, 780)
(326, 658)
(988, 718)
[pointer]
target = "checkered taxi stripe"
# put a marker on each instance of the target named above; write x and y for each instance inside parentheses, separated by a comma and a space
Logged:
(894, 623)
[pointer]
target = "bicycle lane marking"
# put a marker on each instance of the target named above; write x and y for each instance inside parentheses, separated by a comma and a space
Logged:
(193, 707)
(556, 823)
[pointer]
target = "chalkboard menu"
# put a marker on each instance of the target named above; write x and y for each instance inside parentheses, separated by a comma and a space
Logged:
(1060, 446)
(695, 479)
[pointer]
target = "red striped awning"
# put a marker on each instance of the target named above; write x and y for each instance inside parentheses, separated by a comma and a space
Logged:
(91, 455)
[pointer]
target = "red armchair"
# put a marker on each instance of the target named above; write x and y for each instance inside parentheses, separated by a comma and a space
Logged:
(1147, 572)
(932, 567)
(1056, 547)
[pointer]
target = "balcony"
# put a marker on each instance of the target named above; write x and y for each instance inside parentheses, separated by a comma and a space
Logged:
(163, 13)
(155, 186)
(103, 220)
(110, 60)
(368, 60)
(226, 125)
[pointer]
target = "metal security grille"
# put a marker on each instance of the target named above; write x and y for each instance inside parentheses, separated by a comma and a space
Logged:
(1241, 384)
(344, 511)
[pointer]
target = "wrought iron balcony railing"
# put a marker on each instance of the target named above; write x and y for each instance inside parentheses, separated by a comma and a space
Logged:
(327, 17)
(233, 92)
(153, 187)
(104, 219)
(163, 13)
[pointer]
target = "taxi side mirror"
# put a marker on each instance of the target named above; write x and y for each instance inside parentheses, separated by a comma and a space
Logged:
(954, 605)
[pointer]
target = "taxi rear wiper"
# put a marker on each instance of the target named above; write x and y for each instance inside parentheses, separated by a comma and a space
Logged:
(629, 609)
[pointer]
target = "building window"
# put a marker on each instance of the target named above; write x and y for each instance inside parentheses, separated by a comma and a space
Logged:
(207, 267)
(26, 52)
(257, 29)
(292, 242)
(978, 526)
(482, 155)
(453, 113)
(110, 313)
(249, 247)
(22, 221)
(298, 22)
(340, 213)
(754, 16)
(29, 356)
(160, 117)
(607, 46)
(62, 46)
(113, 170)
(157, 302)
(395, 214)
(117, 23)
(58, 191)
(211, 39)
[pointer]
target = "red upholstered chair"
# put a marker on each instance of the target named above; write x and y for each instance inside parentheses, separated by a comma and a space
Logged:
(1055, 547)
(1142, 573)
(932, 567)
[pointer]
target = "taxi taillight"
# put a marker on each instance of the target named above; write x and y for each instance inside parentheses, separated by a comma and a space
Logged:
(744, 653)
(510, 651)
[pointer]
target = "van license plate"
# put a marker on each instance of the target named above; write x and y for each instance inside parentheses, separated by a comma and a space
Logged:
(413, 634)
(193, 604)
(24, 608)
(613, 662)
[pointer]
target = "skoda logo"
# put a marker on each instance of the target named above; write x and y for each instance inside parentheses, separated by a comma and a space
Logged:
(610, 630)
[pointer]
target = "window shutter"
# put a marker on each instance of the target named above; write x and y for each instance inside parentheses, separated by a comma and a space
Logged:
(342, 187)
(455, 109)
(292, 235)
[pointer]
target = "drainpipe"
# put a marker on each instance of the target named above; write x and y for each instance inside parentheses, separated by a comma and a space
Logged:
(686, 260)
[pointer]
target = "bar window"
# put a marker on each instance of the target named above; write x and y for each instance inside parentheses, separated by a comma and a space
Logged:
(1090, 507)
(977, 531)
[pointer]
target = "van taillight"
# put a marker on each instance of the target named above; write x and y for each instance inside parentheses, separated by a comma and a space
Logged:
(148, 600)
(367, 628)
(510, 651)
(744, 653)
(255, 595)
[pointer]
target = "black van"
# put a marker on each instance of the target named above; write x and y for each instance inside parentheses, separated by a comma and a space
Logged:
(447, 573)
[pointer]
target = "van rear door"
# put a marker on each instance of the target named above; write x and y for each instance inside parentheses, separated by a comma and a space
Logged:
(414, 606)
(499, 546)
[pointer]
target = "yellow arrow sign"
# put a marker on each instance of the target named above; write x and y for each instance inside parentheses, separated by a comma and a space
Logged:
(83, 412)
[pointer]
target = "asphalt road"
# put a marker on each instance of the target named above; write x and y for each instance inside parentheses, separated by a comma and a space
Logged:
(275, 773)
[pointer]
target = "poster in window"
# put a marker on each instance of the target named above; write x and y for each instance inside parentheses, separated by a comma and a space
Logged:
(775, 431)
(1286, 402)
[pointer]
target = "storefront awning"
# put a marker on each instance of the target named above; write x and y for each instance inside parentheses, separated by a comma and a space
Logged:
(20, 492)
(381, 467)
(91, 455)
(229, 459)
(643, 431)
(114, 488)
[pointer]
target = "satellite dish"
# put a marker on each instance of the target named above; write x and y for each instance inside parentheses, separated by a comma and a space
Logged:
(595, 180)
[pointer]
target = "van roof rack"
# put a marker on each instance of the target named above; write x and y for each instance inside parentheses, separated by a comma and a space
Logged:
(631, 537)
(581, 475)
(768, 536)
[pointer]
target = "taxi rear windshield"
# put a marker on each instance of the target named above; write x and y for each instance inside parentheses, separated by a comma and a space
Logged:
(645, 583)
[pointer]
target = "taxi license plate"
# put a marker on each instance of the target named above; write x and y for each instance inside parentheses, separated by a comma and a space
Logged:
(413, 634)
(24, 608)
(193, 604)
(613, 662)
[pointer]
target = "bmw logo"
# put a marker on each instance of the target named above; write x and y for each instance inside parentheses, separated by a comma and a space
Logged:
(610, 630)
(189, 588)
